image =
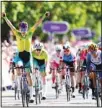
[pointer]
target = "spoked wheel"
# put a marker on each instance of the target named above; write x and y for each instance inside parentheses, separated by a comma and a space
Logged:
(97, 97)
(15, 91)
(39, 97)
(87, 93)
(23, 98)
(57, 91)
(68, 93)
(18, 94)
(36, 97)
(83, 93)
(101, 96)
(27, 99)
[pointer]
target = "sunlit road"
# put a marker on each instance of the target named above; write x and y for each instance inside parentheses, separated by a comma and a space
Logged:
(8, 99)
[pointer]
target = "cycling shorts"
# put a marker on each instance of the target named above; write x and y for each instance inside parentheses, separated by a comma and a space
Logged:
(70, 64)
(40, 64)
(25, 58)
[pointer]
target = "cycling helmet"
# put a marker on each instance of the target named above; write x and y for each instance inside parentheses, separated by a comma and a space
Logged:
(99, 45)
(38, 46)
(66, 46)
(92, 46)
(23, 26)
(58, 48)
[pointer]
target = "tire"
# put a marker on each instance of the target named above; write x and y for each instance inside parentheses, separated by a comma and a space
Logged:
(23, 98)
(15, 91)
(27, 99)
(36, 96)
(39, 97)
(56, 90)
(22, 93)
(84, 92)
(18, 94)
(97, 94)
(101, 96)
(68, 93)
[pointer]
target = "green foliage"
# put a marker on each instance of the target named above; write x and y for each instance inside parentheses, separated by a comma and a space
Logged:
(77, 14)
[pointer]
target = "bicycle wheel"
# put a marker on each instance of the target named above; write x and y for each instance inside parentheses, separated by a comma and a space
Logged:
(97, 93)
(27, 99)
(87, 93)
(39, 97)
(68, 93)
(23, 98)
(101, 96)
(56, 90)
(36, 92)
(18, 94)
(36, 96)
(15, 91)
(22, 92)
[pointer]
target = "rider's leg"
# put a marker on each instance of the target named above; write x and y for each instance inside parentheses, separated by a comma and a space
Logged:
(92, 84)
(43, 78)
(29, 79)
(73, 82)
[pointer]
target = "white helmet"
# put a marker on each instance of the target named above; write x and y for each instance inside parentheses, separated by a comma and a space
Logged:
(66, 46)
(58, 48)
(38, 46)
(99, 45)
(36, 43)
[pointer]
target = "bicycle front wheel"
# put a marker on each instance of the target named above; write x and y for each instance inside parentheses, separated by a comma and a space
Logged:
(23, 98)
(27, 99)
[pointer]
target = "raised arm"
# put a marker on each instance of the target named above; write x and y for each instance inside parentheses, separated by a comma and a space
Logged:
(8, 22)
(47, 14)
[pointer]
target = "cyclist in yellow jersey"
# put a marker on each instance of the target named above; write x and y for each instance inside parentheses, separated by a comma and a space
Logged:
(24, 38)
(40, 59)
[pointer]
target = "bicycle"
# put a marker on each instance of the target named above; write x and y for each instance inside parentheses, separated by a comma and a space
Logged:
(98, 91)
(57, 91)
(68, 82)
(37, 85)
(16, 91)
(85, 83)
(25, 93)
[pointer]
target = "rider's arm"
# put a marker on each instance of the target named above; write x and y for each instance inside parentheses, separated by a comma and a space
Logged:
(32, 29)
(9, 23)
(88, 61)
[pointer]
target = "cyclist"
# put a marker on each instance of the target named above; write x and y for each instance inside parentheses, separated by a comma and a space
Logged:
(55, 63)
(24, 38)
(40, 60)
(82, 62)
(94, 57)
(69, 59)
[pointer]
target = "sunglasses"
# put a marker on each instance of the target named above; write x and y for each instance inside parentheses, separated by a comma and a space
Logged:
(38, 49)
(66, 50)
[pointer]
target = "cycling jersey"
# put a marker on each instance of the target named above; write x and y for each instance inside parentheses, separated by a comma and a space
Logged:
(43, 55)
(24, 43)
(69, 61)
(68, 58)
(56, 58)
(97, 61)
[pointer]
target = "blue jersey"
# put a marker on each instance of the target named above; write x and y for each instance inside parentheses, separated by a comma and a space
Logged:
(68, 58)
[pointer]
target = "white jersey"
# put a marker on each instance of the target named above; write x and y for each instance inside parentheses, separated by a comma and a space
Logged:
(96, 60)
(56, 58)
